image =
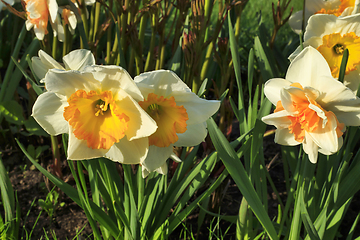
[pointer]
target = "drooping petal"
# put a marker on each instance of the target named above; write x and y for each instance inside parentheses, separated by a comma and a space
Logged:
(194, 135)
(129, 152)
(156, 157)
(48, 111)
(78, 59)
(53, 9)
(310, 148)
(326, 136)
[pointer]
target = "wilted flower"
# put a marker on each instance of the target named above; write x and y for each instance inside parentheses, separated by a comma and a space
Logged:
(75, 60)
(39, 12)
(179, 113)
(98, 109)
(312, 107)
(334, 7)
(331, 35)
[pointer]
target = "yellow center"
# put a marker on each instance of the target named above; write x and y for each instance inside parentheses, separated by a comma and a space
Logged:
(338, 11)
(333, 47)
(96, 118)
(306, 119)
(38, 13)
(170, 118)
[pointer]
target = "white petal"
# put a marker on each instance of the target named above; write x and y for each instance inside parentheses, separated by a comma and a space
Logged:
(325, 136)
(273, 87)
(161, 82)
(58, 29)
(129, 152)
(162, 170)
(113, 78)
(78, 59)
(68, 82)
(39, 32)
(278, 119)
(29, 25)
(287, 94)
(48, 111)
(142, 125)
(156, 157)
(198, 109)
(308, 67)
(194, 135)
(284, 137)
(43, 63)
(53, 9)
(310, 148)
(78, 149)
(352, 80)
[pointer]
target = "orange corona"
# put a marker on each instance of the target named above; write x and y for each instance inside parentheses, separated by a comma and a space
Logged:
(170, 118)
(96, 118)
(306, 119)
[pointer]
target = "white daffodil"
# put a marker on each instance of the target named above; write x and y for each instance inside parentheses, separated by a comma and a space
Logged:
(179, 113)
(333, 7)
(39, 13)
(2, 5)
(70, 17)
(331, 35)
(312, 107)
(75, 60)
(99, 109)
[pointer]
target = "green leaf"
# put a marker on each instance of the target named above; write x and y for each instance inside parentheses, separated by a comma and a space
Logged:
(12, 111)
(34, 128)
(238, 173)
(71, 192)
(309, 226)
(344, 61)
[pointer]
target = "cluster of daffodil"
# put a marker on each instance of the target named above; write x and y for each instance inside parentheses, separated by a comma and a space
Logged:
(312, 106)
(108, 114)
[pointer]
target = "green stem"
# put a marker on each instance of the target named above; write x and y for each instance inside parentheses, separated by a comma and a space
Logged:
(11, 63)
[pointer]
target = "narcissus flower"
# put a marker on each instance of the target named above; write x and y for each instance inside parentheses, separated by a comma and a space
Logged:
(70, 17)
(312, 107)
(333, 7)
(179, 113)
(39, 13)
(75, 60)
(331, 35)
(98, 109)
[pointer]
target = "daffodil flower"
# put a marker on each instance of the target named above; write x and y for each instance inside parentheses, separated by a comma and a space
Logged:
(75, 60)
(2, 5)
(39, 13)
(334, 7)
(70, 17)
(331, 35)
(179, 113)
(312, 107)
(98, 107)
